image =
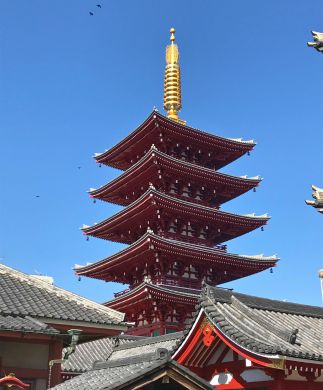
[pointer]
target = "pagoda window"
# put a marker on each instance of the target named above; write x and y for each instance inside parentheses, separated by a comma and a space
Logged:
(193, 272)
(183, 155)
(155, 333)
(202, 234)
(190, 272)
(172, 227)
(168, 330)
(186, 272)
(171, 319)
(172, 189)
(140, 320)
(172, 270)
(210, 275)
(198, 195)
(187, 230)
(186, 191)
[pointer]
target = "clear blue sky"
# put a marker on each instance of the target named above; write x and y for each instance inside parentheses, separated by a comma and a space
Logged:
(72, 85)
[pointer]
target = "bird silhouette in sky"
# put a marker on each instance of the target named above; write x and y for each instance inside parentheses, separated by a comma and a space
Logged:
(99, 5)
(91, 13)
(37, 196)
(78, 167)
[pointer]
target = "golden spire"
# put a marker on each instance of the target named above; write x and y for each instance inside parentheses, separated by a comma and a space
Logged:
(172, 82)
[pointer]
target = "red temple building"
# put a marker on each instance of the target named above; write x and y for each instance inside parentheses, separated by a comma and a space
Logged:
(172, 220)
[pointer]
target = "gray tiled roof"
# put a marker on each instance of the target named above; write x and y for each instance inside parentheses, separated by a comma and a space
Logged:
(22, 295)
(87, 353)
(25, 324)
(109, 377)
(128, 362)
(146, 346)
(266, 326)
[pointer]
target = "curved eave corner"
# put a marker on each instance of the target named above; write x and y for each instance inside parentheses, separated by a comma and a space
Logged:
(195, 334)
(100, 157)
(90, 230)
(247, 145)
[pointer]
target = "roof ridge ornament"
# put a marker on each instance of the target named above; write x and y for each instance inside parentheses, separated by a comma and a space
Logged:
(172, 81)
(318, 41)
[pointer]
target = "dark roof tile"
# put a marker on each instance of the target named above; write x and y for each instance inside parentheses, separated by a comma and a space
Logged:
(23, 295)
(264, 325)
(25, 325)
(87, 353)
(128, 361)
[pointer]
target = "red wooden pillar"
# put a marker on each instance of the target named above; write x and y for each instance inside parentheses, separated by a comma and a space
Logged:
(279, 379)
(280, 384)
(55, 353)
(310, 385)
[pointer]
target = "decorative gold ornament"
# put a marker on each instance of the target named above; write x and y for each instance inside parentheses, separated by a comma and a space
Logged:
(172, 82)
(279, 364)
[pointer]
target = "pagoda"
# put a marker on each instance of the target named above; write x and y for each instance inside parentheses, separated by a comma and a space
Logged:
(172, 221)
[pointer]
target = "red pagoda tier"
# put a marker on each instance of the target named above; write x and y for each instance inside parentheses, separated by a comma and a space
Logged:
(172, 220)
(174, 177)
(177, 140)
(156, 309)
(172, 262)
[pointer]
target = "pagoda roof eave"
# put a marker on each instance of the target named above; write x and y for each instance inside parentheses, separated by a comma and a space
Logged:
(196, 171)
(147, 288)
(181, 130)
(150, 199)
(152, 242)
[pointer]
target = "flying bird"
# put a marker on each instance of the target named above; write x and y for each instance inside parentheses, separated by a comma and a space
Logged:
(99, 5)
(91, 13)
(37, 196)
(78, 167)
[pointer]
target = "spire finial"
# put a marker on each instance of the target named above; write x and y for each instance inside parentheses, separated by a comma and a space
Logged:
(172, 36)
(172, 82)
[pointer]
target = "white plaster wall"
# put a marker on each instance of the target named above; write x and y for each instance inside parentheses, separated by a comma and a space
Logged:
(221, 379)
(255, 375)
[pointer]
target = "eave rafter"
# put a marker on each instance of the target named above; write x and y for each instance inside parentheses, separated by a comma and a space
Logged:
(157, 168)
(149, 293)
(157, 129)
(152, 248)
(132, 222)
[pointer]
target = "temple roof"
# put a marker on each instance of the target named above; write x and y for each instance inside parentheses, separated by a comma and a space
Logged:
(263, 326)
(33, 300)
(145, 248)
(156, 129)
(25, 324)
(132, 362)
(87, 353)
(155, 163)
(153, 203)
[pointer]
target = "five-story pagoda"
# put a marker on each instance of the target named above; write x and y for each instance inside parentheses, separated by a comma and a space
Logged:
(172, 193)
